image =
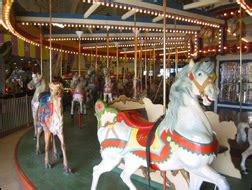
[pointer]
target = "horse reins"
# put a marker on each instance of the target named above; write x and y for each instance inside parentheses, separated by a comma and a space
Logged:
(148, 144)
(202, 87)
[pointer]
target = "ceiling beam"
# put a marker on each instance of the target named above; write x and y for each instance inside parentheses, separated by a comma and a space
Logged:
(91, 9)
(129, 14)
(158, 18)
(200, 3)
(151, 6)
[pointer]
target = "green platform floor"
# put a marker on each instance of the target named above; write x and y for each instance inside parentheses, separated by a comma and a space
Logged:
(83, 153)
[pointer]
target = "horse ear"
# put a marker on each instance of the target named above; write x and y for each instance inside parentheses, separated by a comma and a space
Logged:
(191, 64)
(61, 86)
(50, 85)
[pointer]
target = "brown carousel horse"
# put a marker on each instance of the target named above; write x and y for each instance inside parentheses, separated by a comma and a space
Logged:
(50, 119)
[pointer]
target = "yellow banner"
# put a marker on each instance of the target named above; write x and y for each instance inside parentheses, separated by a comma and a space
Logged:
(32, 51)
(21, 48)
(7, 37)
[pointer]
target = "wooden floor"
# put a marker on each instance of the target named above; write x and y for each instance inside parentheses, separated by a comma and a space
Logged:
(8, 177)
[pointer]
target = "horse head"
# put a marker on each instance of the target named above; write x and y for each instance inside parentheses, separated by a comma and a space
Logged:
(202, 78)
(56, 89)
(75, 80)
(35, 82)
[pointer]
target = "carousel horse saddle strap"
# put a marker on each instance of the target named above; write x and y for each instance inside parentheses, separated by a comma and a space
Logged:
(134, 119)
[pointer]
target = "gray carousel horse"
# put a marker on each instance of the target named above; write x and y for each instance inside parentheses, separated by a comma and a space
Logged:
(38, 83)
(107, 92)
(91, 86)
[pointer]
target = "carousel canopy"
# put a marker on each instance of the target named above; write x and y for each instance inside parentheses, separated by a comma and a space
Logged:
(192, 27)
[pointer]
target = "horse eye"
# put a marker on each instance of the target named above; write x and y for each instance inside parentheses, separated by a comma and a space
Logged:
(199, 74)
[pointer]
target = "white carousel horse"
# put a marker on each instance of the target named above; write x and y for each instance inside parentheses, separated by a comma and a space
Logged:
(107, 92)
(38, 83)
(78, 86)
(225, 131)
(50, 120)
(184, 139)
(243, 137)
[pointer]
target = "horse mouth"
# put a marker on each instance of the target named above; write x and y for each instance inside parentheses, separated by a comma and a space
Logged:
(208, 99)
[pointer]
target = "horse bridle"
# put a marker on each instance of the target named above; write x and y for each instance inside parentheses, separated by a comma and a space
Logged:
(202, 87)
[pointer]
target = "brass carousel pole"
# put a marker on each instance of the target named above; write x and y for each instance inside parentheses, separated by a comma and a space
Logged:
(150, 69)
(241, 91)
(164, 57)
(41, 51)
(50, 42)
(154, 64)
(135, 61)
(145, 62)
(124, 69)
(176, 51)
(79, 34)
(96, 58)
(117, 62)
(141, 66)
(62, 55)
(79, 56)
(164, 75)
(107, 48)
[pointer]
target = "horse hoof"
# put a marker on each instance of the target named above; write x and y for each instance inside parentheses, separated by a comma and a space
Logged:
(38, 152)
(34, 137)
(244, 172)
(48, 166)
(67, 170)
(56, 156)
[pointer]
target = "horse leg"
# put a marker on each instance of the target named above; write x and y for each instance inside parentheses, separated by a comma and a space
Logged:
(81, 106)
(40, 129)
(84, 108)
(63, 148)
(55, 151)
(245, 155)
(130, 167)
(104, 97)
(106, 165)
(195, 182)
(110, 97)
(72, 107)
(34, 115)
(47, 135)
(207, 173)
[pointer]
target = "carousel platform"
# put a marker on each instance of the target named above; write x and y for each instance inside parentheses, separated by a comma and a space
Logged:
(83, 153)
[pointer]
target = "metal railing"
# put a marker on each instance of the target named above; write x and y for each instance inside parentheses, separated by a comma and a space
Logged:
(15, 113)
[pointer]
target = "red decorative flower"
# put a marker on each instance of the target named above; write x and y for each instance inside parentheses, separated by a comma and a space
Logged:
(99, 107)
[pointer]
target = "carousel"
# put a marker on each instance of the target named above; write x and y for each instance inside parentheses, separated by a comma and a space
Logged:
(137, 94)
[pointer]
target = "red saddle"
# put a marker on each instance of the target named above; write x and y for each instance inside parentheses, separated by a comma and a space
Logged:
(134, 119)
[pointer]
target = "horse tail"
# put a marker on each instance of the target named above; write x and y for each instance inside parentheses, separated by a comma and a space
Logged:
(148, 144)
(241, 134)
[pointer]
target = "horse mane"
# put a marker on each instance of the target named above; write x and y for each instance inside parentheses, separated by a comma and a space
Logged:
(182, 86)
